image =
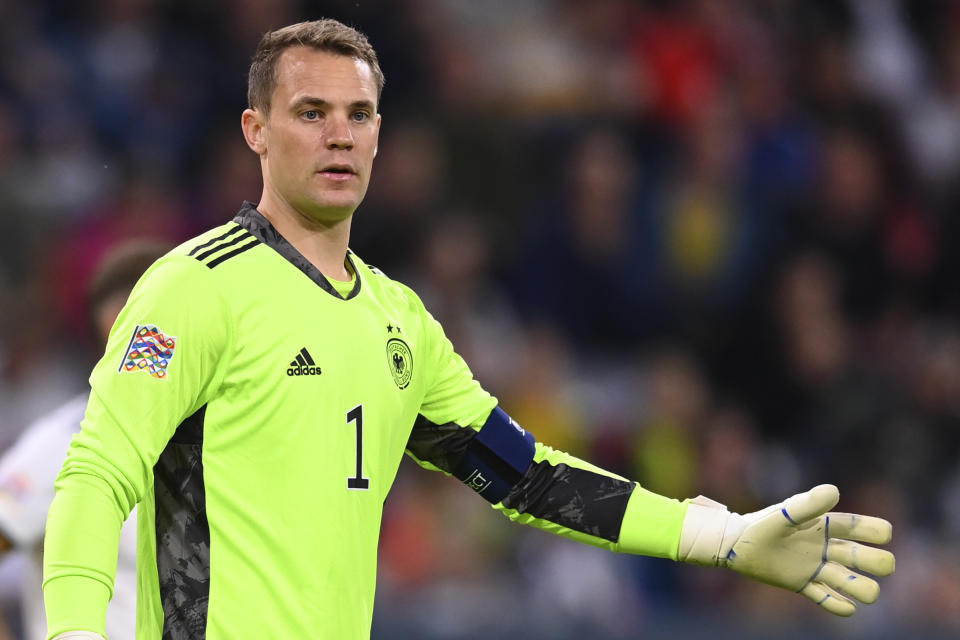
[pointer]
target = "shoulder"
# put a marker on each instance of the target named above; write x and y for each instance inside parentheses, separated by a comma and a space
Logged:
(217, 245)
(185, 276)
(385, 286)
(200, 254)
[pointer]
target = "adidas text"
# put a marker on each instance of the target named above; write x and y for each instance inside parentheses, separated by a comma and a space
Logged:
(303, 371)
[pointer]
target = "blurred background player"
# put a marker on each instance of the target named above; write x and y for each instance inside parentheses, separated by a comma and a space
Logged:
(28, 469)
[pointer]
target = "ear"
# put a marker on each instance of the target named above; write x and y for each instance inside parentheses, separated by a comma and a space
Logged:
(377, 144)
(254, 128)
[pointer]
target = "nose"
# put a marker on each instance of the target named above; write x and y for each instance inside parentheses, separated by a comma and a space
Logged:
(339, 135)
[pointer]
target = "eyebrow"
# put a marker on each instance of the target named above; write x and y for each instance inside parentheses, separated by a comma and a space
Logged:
(320, 102)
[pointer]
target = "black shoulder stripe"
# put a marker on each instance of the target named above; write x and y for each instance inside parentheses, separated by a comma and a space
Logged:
(233, 253)
(236, 229)
(220, 247)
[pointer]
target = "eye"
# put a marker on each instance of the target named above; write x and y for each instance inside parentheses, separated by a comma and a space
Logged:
(312, 114)
(360, 116)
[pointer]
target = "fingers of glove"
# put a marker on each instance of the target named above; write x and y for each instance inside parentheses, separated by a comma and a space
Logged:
(829, 599)
(850, 583)
(879, 562)
(810, 504)
(863, 528)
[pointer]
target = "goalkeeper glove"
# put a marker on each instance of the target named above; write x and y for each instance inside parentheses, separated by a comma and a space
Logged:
(795, 545)
(79, 635)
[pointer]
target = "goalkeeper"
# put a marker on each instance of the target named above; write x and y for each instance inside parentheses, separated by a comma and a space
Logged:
(262, 384)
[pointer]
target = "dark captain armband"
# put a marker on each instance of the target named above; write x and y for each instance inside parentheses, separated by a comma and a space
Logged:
(494, 458)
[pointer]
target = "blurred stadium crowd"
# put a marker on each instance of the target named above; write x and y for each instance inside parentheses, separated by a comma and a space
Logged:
(712, 246)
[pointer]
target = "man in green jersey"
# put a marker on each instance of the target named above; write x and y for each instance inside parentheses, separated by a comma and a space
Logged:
(261, 386)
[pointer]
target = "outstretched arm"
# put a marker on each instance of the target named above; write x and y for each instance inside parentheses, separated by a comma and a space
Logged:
(795, 544)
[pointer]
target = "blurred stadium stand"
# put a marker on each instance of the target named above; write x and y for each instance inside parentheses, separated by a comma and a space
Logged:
(713, 246)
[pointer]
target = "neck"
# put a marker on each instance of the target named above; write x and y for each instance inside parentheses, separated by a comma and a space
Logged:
(324, 244)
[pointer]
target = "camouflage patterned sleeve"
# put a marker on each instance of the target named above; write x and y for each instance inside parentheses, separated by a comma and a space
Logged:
(570, 497)
(554, 491)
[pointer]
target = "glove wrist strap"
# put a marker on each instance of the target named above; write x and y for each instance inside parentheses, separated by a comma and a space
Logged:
(702, 535)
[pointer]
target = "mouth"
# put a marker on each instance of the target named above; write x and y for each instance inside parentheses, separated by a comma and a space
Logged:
(338, 172)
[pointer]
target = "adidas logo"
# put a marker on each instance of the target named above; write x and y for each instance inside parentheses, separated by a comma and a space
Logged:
(303, 365)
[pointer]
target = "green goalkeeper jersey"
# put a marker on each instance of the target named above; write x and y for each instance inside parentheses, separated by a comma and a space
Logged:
(258, 416)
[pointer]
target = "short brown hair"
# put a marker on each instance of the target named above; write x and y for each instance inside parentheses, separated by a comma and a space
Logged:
(324, 35)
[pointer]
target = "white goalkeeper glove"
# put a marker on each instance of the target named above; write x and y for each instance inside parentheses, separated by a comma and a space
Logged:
(79, 635)
(795, 545)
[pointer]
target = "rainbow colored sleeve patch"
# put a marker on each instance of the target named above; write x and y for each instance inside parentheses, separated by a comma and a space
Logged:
(149, 350)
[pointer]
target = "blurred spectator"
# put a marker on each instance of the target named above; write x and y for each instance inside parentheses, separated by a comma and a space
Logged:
(665, 450)
(475, 314)
(769, 188)
(146, 207)
(714, 236)
(392, 227)
(678, 57)
(882, 242)
(230, 174)
(580, 265)
(541, 392)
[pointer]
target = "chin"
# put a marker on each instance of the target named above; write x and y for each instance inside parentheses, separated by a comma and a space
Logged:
(329, 209)
(347, 199)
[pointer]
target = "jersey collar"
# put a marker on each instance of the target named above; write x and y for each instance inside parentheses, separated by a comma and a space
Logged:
(254, 222)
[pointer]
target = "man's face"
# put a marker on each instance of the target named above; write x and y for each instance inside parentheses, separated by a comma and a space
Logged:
(320, 137)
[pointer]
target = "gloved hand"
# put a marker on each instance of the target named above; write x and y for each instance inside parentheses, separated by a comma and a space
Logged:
(79, 635)
(795, 545)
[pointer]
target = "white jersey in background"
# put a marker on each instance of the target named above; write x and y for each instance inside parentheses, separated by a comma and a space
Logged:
(27, 473)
